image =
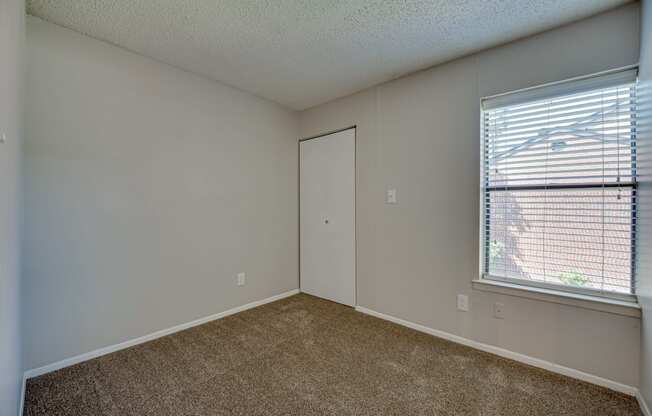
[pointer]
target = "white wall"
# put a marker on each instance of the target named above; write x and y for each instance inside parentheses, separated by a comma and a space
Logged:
(146, 190)
(11, 53)
(644, 266)
(421, 135)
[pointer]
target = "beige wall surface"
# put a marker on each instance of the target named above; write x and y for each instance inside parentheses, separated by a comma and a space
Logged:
(147, 189)
(421, 135)
(12, 34)
(644, 266)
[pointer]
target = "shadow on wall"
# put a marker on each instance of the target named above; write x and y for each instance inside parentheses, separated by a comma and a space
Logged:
(644, 230)
(644, 194)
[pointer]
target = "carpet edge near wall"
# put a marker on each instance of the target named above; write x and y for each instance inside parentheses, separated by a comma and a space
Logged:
(67, 362)
(522, 358)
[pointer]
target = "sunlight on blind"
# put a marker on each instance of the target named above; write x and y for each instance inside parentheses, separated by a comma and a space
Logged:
(559, 182)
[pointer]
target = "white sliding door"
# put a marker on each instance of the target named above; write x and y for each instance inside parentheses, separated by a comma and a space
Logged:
(327, 220)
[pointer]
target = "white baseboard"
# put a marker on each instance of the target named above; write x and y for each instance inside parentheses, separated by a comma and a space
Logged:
(526, 359)
(35, 372)
(536, 362)
(22, 396)
(643, 404)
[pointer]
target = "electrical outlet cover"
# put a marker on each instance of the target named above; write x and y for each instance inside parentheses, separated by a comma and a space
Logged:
(499, 310)
(241, 279)
(463, 303)
(390, 198)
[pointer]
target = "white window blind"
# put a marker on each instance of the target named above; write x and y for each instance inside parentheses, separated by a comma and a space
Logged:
(559, 185)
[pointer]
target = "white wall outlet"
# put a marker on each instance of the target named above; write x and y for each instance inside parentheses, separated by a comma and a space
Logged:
(241, 279)
(499, 310)
(390, 198)
(463, 303)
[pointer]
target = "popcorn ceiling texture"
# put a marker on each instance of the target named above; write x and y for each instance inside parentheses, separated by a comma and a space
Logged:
(302, 53)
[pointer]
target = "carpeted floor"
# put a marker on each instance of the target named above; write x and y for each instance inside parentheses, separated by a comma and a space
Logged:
(306, 356)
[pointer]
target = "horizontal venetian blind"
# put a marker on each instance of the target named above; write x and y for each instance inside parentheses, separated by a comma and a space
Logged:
(559, 185)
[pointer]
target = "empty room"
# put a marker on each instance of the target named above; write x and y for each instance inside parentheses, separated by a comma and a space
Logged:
(326, 207)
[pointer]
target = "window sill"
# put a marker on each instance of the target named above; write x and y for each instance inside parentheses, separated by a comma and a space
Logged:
(595, 303)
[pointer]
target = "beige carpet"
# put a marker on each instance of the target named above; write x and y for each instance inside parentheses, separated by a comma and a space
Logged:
(306, 356)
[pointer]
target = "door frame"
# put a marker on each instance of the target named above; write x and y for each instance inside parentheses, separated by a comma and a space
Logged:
(355, 202)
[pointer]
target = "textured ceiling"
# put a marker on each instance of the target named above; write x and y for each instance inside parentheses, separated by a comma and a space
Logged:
(301, 53)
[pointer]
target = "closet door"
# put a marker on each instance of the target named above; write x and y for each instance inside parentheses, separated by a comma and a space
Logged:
(327, 216)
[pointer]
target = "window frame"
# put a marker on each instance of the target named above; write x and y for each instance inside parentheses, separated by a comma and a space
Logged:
(557, 89)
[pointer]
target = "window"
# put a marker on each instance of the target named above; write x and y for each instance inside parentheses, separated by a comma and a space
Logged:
(559, 185)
